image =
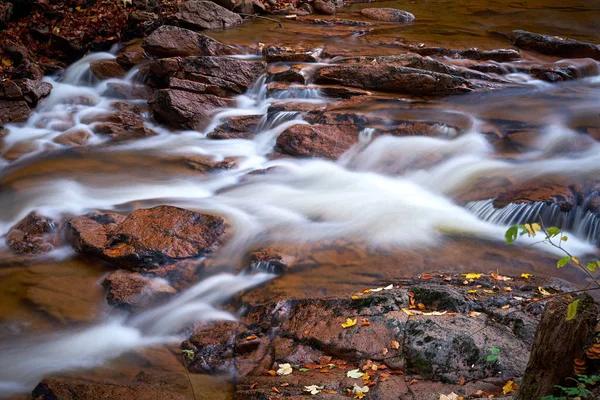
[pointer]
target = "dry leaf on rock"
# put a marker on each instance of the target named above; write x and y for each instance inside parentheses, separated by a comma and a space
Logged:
(284, 369)
(349, 322)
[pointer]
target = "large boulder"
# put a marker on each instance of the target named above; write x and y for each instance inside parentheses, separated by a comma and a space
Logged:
(18, 97)
(162, 235)
(324, 7)
(199, 14)
(554, 45)
(172, 41)
(233, 76)
(392, 78)
(387, 14)
(187, 110)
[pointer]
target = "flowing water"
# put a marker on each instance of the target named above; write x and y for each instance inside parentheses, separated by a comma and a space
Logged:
(403, 198)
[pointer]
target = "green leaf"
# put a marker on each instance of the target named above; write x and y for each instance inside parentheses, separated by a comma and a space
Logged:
(591, 266)
(563, 261)
(553, 231)
(492, 357)
(511, 234)
(564, 238)
(495, 350)
(304, 369)
(572, 310)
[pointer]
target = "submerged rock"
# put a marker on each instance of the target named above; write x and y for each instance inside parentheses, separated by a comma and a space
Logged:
(554, 45)
(198, 14)
(34, 234)
(105, 69)
(171, 41)
(133, 291)
(387, 14)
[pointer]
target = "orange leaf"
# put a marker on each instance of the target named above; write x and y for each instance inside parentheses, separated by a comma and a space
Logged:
(285, 384)
(252, 337)
(274, 389)
(395, 345)
(426, 277)
(272, 372)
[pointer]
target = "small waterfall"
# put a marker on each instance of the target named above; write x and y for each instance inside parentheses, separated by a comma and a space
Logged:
(584, 223)
(296, 92)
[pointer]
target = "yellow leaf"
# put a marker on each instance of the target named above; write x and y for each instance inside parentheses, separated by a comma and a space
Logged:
(6, 62)
(544, 291)
(354, 297)
(395, 345)
(435, 313)
(472, 291)
(349, 322)
(407, 311)
(471, 276)
(533, 228)
(575, 260)
(509, 387)
(526, 276)
(488, 291)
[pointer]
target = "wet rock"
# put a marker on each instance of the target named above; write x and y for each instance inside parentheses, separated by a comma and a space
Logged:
(324, 7)
(123, 125)
(291, 75)
(128, 92)
(389, 78)
(213, 346)
(498, 55)
(542, 190)
(387, 14)
(70, 389)
(284, 54)
(327, 141)
(180, 275)
(161, 235)
(336, 21)
(90, 233)
(554, 45)
(233, 76)
(13, 111)
(34, 234)
(134, 292)
(131, 55)
(198, 14)
(172, 41)
(238, 127)
(74, 138)
(206, 164)
(184, 109)
(105, 69)
(196, 87)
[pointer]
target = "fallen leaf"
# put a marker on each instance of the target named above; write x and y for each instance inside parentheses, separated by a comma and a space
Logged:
(435, 313)
(471, 276)
(505, 307)
(6, 62)
(354, 297)
(407, 311)
(304, 369)
(284, 369)
(349, 322)
(472, 291)
(519, 298)
(384, 351)
(412, 382)
(274, 389)
(389, 287)
(451, 396)
(447, 278)
(500, 277)
(544, 291)
(426, 277)
(313, 389)
(324, 371)
(488, 291)
(421, 306)
(365, 322)
(251, 337)
(395, 345)
(272, 372)
(285, 384)
(507, 289)
(325, 360)
(355, 373)
(474, 314)
(253, 386)
(526, 276)
(509, 387)
(462, 381)
(359, 392)
(329, 391)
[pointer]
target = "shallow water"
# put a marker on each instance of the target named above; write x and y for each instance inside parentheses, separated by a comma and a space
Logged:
(390, 207)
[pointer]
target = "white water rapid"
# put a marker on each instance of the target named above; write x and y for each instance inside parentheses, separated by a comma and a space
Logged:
(374, 193)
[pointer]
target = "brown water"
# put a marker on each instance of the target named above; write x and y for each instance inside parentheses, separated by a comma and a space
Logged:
(43, 295)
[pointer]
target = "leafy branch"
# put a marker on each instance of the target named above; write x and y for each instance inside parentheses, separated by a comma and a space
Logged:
(555, 237)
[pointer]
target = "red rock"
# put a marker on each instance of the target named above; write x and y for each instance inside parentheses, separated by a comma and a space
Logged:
(72, 389)
(554, 45)
(13, 111)
(74, 138)
(184, 109)
(390, 78)
(133, 291)
(90, 233)
(324, 7)
(128, 92)
(164, 234)
(171, 41)
(237, 127)
(207, 164)
(105, 69)
(388, 14)
(34, 234)
(327, 141)
(285, 54)
(123, 125)
(198, 14)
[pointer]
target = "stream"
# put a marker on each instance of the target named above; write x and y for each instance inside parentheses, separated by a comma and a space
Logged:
(413, 203)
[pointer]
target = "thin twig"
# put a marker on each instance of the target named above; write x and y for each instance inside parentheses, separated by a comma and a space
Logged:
(253, 16)
(187, 373)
